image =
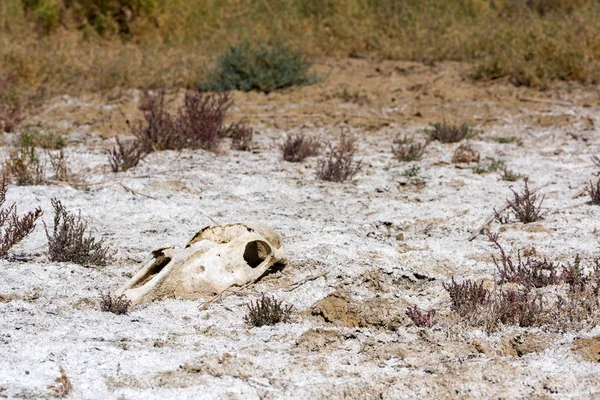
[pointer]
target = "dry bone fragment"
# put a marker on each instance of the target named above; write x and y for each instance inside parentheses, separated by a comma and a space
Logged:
(216, 258)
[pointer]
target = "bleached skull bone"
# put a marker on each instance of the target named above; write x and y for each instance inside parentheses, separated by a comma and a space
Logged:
(216, 258)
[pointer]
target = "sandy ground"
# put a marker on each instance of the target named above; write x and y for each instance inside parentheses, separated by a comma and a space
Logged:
(385, 241)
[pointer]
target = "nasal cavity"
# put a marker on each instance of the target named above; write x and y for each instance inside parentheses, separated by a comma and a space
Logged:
(256, 252)
(159, 263)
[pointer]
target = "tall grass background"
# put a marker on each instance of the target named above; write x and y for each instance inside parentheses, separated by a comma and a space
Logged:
(78, 45)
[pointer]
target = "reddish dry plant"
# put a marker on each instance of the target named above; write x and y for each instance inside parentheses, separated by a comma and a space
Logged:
(159, 132)
(339, 164)
(448, 133)
(524, 205)
(594, 192)
(241, 135)
(298, 147)
(198, 123)
(17, 228)
(68, 240)
(516, 307)
(267, 311)
(527, 306)
(200, 120)
(529, 272)
(63, 385)
(125, 155)
(115, 304)
(408, 151)
(420, 318)
(467, 297)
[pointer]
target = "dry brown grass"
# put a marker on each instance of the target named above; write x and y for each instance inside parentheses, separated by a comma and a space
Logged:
(531, 42)
(63, 385)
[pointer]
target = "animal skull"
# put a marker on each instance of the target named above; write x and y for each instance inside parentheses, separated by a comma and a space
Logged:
(216, 258)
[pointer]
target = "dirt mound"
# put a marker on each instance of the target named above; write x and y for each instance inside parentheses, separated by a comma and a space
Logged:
(341, 309)
(588, 349)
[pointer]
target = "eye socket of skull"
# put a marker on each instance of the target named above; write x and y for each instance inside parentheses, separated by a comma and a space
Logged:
(256, 252)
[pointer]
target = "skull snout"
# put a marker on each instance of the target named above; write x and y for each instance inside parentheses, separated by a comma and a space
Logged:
(157, 265)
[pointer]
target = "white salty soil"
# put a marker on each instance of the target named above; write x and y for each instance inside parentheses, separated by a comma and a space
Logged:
(384, 240)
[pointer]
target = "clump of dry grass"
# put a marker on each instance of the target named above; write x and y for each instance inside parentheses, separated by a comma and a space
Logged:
(298, 147)
(115, 304)
(125, 155)
(63, 386)
(420, 318)
(594, 192)
(15, 228)
(60, 166)
(467, 297)
(528, 272)
(409, 151)
(525, 206)
(241, 134)
(68, 240)
(11, 113)
(448, 133)
(197, 124)
(339, 165)
(24, 164)
(267, 311)
(45, 140)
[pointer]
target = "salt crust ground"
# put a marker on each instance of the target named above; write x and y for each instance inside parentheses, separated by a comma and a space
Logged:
(171, 349)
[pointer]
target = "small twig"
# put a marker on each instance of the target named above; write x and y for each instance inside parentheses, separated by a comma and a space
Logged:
(489, 220)
(113, 180)
(207, 216)
(301, 282)
(492, 80)
(226, 292)
(557, 210)
(545, 101)
(136, 193)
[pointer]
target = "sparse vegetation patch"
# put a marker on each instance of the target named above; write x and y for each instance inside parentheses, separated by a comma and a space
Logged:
(409, 151)
(525, 206)
(68, 240)
(14, 228)
(241, 134)
(448, 133)
(594, 192)
(115, 304)
(267, 311)
(519, 296)
(125, 155)
(198, 124)
(339, 164)
(298, 147)
(24, 164)
(420, 318)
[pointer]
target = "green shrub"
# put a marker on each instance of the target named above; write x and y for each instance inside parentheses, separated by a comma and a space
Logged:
(264, 68)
